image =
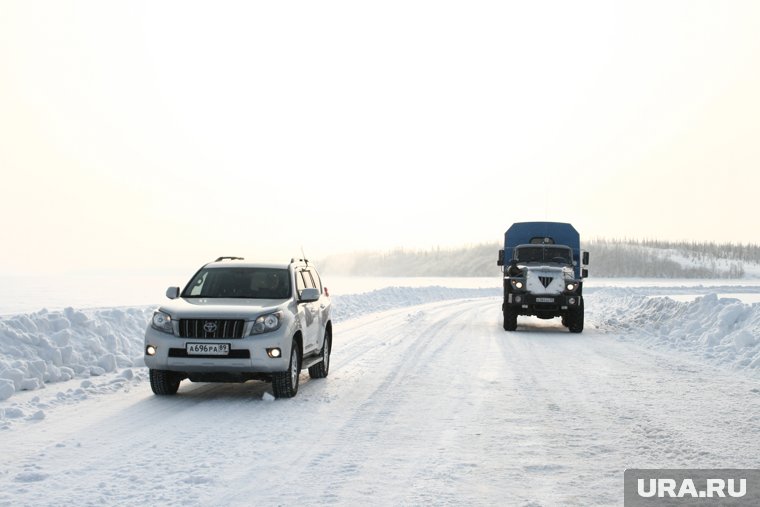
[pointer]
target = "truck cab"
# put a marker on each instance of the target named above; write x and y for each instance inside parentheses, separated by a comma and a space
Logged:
(543, 268)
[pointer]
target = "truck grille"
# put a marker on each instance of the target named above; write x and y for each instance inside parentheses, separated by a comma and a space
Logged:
(211, 328)
(545, 280)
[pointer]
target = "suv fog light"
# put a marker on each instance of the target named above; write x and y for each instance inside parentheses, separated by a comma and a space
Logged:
(274, 352)
(150, 350)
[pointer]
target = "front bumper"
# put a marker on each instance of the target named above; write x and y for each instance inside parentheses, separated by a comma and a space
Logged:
(543, 301)
(246, 355)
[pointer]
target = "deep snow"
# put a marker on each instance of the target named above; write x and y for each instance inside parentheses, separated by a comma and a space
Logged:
(426, 403)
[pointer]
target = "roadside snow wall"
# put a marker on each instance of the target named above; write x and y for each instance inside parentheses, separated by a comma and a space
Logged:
(720, 330)
(54, 346)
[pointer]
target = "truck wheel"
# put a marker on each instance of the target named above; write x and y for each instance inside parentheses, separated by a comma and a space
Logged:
(285, 383)
(510, 319)
(320, 370)
(164, 382)
(575, 320)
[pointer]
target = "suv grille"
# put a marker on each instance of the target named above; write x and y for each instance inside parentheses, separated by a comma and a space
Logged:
(211, 328)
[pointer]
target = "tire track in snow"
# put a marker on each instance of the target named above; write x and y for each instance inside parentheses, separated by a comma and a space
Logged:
(433, 404)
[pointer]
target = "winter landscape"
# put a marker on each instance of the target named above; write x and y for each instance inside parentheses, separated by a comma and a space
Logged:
(429, 402)
(392, 144)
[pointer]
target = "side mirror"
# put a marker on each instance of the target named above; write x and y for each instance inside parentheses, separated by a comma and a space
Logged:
(172, 292)
(584, 273)
(309, 295)
(500, 260)
(585, 258)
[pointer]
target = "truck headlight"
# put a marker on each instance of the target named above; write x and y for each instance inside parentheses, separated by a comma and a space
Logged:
(267, 323)
(571, 286)
(162, 322)
(518, 284)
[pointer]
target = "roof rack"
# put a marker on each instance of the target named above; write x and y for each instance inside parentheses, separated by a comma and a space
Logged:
(229, 258)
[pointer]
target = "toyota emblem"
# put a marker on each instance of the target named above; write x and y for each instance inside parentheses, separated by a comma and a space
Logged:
(209, 326)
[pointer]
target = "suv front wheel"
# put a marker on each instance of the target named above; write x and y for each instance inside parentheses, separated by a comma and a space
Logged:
(164, 382)
(285, 383)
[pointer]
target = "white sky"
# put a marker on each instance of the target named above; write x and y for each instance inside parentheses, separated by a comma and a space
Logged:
(135, 136)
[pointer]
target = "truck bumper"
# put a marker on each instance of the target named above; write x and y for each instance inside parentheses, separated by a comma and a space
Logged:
(531, 304)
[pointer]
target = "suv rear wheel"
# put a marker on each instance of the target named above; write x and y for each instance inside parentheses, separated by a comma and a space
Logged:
(285, 383)
(321, 369)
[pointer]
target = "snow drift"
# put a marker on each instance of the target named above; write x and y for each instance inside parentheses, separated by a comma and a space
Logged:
(54, 346)
(721, 330)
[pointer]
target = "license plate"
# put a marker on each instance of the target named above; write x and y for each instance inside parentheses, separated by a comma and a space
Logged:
(544, 300)
(208, 349)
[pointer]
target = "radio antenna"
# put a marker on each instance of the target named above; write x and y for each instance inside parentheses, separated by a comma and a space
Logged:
(303, 255)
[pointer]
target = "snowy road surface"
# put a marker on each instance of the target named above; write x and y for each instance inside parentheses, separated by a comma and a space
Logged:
(429, 405)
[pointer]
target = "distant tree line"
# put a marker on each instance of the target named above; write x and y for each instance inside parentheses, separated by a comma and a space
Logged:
(609, 258)
(478, 260)
(648, 259)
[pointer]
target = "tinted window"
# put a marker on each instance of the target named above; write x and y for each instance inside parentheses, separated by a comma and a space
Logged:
(234, 282)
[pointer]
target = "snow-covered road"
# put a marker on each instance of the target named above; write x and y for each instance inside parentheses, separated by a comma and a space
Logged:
(427, 405)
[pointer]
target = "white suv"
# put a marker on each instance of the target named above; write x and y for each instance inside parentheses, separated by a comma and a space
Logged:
(236, 321)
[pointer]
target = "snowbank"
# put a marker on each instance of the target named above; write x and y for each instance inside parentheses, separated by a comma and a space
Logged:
(45, 347)
(720, 330)
(54, 346)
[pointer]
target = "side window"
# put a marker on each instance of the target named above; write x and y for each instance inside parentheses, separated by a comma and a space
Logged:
(307, 279)
(300, 284)
(317, 281)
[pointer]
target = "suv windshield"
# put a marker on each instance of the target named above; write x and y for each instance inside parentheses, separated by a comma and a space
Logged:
(236, 282)
(535, 253)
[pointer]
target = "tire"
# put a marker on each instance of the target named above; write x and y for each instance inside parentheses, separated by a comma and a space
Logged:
(164, 383)
(321, 369)
(510, 319)
(285, 383)
(575, 320)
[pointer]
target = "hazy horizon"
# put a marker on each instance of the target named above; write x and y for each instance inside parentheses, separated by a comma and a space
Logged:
(144, 136)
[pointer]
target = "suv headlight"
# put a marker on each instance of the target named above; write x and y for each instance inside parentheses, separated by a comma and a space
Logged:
(267, 323)
(162, 322)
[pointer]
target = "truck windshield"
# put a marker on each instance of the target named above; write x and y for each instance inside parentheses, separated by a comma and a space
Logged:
(249, 283)
(535, 253)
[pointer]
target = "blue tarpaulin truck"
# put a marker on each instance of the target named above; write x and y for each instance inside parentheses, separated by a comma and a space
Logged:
(544, 268)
